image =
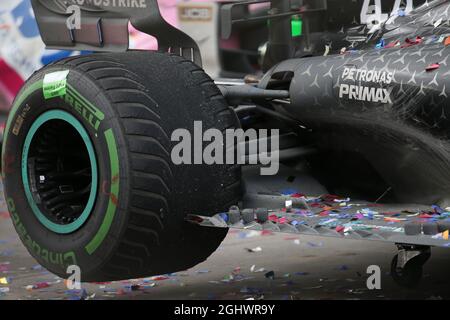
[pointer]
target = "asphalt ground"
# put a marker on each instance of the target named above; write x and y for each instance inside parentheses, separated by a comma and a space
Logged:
(248, 265)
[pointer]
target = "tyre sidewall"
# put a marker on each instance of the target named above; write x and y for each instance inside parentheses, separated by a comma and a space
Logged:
(58, 251)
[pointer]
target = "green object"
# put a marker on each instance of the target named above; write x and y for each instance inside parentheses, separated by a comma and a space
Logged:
(55, 84)
(296, 27)
(65, 116)
(113, 197)
(75, 99)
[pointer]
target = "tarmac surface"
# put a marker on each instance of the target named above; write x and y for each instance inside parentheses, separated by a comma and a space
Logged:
(304, 267)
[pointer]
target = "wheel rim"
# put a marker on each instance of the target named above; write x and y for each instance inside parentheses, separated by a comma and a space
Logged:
(59, 171)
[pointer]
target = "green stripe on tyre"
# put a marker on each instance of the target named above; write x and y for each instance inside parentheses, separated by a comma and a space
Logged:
(93, 245)
(67, 117)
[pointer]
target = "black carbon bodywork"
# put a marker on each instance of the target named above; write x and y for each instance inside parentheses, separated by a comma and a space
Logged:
(104, 26)
(389, 104)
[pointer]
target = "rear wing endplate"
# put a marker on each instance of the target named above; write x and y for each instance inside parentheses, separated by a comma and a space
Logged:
(102, 25)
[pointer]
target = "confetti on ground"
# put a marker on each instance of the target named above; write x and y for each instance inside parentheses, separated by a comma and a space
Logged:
(315, 245)
(158, 278)
(7, 253)
(37, 267)
(270, 275)
(254, 269)
(4, 290)
(333, 210)
(301, 273)
(4, 266)
(37, 286)
(4, 280)
(4, 215)
(201, 271)
(343, 268)
(249, 234)
(249, 290)
(81, 294)
(257, 249)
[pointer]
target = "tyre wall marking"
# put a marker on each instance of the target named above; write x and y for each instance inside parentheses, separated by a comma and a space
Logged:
(113, 196)
(44, 253)
(62, 259)
(17, 103)
(114, 160)
(86, 109)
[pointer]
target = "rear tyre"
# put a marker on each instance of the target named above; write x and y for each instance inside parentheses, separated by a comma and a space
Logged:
(87, 165)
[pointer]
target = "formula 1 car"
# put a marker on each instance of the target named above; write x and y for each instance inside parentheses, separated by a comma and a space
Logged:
(240, 50)
(360, 108)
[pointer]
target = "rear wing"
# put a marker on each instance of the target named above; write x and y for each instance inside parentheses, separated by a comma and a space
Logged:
(102, 25)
